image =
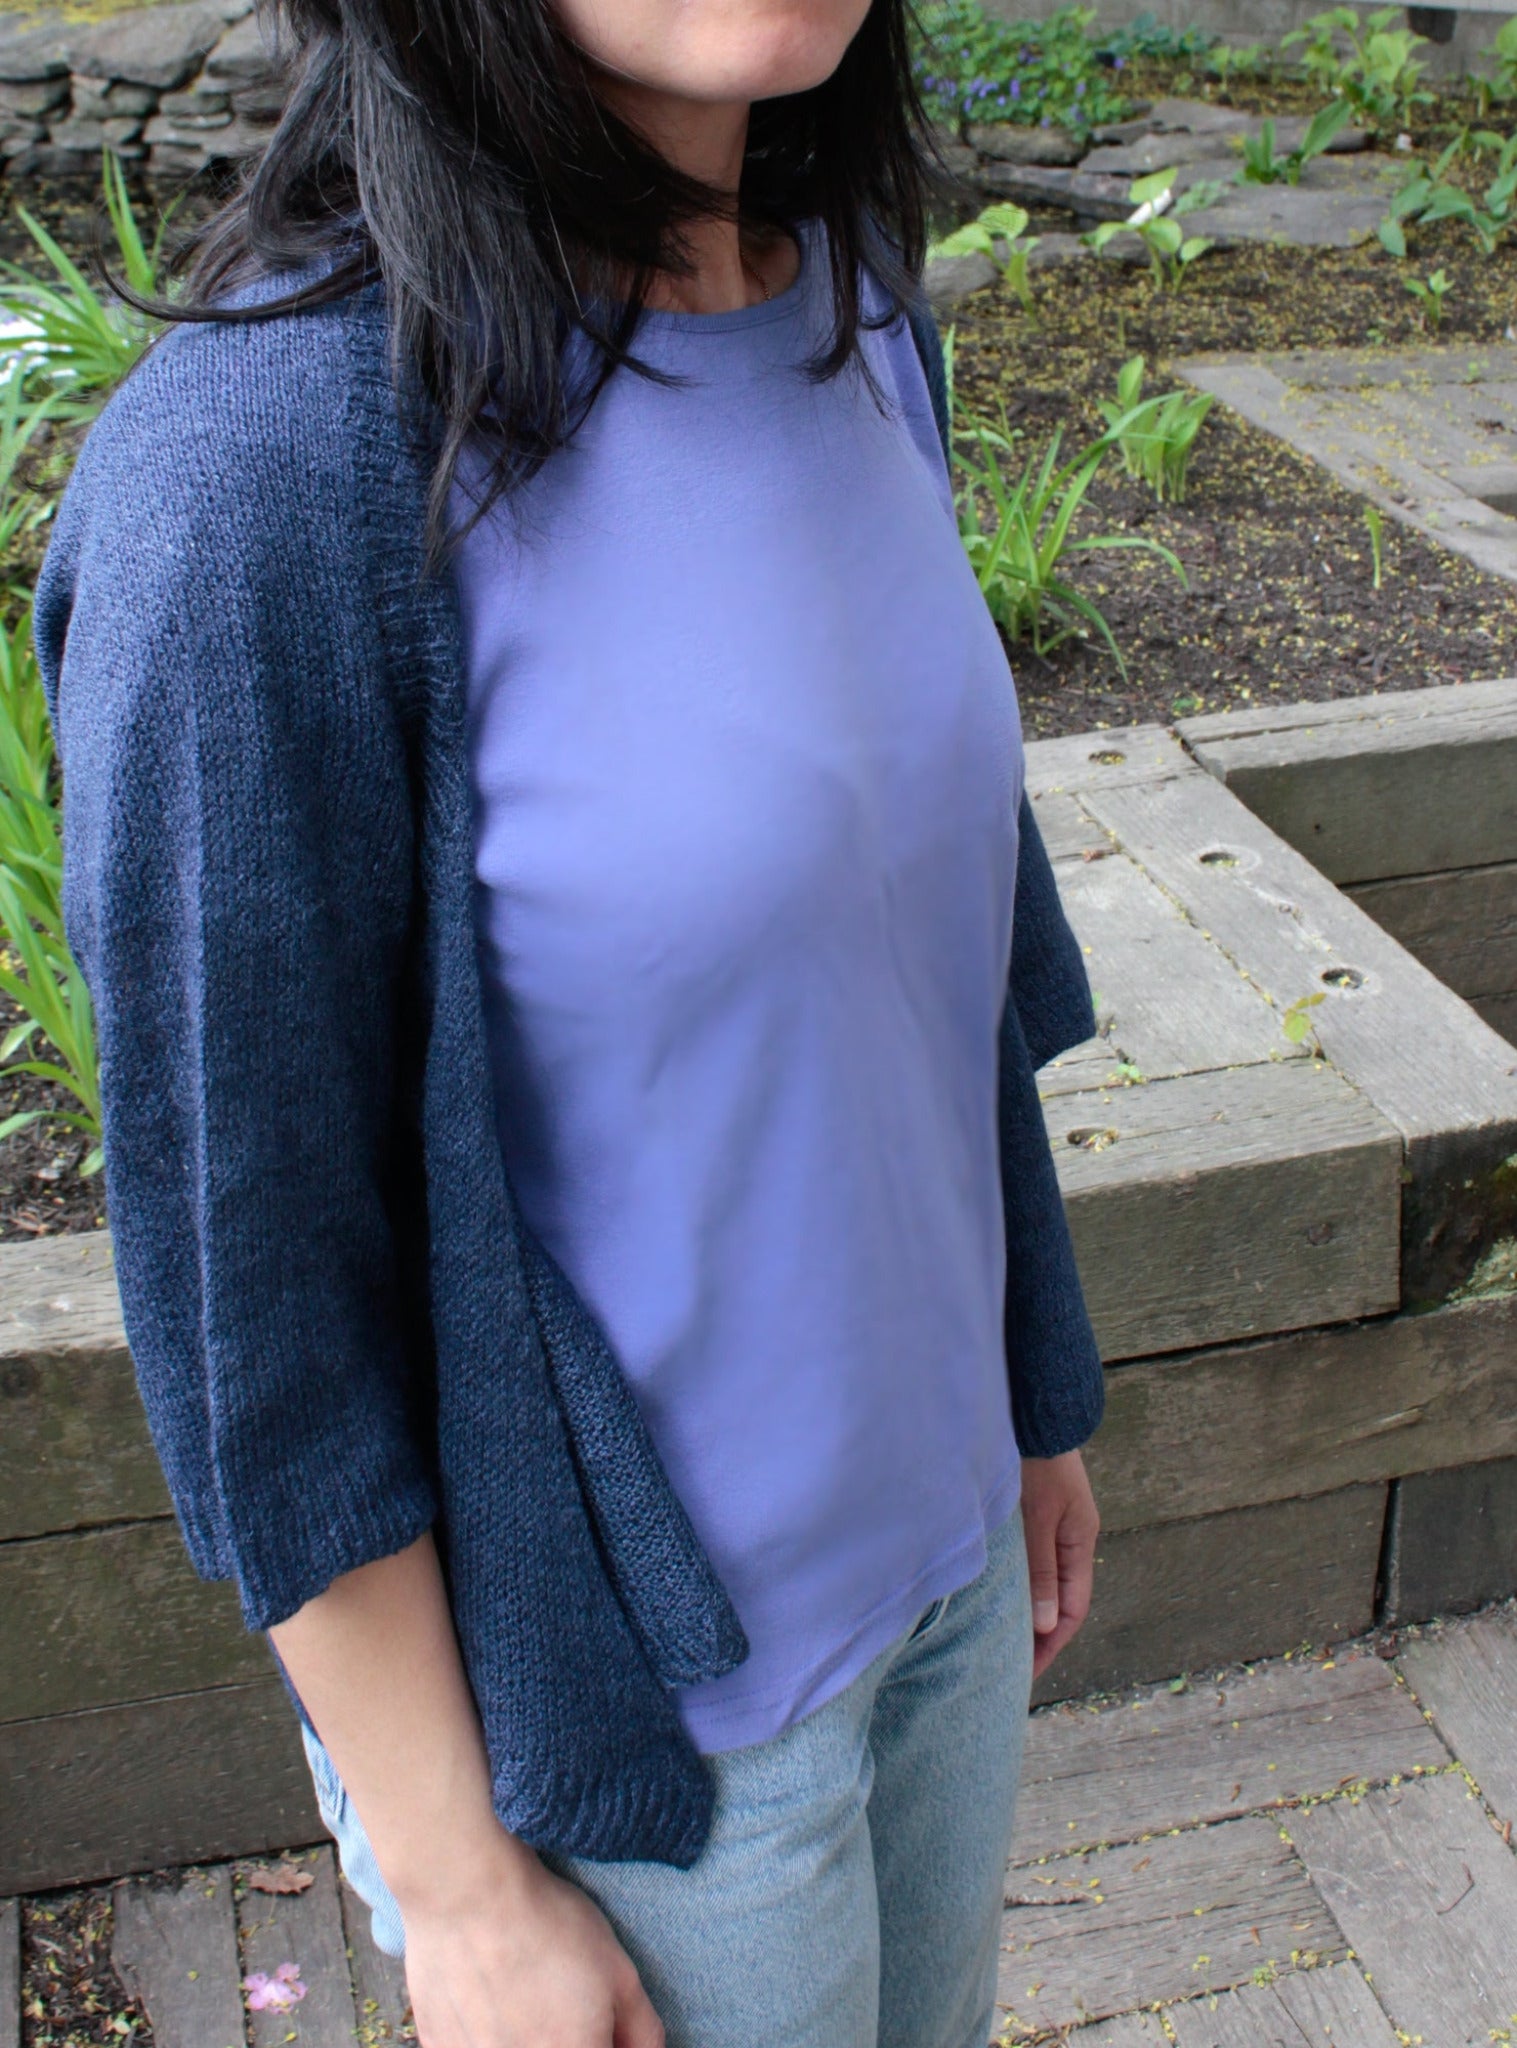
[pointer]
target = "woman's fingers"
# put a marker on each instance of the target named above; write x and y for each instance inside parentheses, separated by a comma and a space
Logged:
(1061, 1524)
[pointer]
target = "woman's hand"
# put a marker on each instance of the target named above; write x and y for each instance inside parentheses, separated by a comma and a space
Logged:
(500, 1953)
(1059, 1515)
(519, 1958)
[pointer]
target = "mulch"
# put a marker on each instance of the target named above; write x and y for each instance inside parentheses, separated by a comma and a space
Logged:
(71, 1996)
(1278, 600)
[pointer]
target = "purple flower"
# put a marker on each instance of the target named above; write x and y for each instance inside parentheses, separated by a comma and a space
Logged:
(1119, 63)
(277, 1993)
(1079, 89)
(1016, 88)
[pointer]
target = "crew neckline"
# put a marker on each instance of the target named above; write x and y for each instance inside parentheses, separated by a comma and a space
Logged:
(678, 320)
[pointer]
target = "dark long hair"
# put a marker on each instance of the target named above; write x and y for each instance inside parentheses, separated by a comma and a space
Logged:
(456, 150)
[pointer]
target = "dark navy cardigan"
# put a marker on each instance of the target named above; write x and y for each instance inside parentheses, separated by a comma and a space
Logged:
(343, 1333)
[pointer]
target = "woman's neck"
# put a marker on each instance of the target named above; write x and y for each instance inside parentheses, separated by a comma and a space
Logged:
(706, 139)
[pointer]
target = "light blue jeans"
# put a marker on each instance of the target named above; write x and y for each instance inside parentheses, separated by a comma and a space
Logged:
(849, 1894)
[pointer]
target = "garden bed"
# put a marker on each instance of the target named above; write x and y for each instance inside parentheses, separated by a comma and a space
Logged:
(1281, 601)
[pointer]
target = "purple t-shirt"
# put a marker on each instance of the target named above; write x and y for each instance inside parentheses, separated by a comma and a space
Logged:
(747, 759)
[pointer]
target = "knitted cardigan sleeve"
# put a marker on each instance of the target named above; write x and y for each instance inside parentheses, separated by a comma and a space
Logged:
(237, 897)
(1058, 1387)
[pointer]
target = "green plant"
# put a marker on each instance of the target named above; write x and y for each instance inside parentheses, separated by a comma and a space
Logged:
(39, 973)
(75, 346)
(1376, 525)
(1020, 561)
(1369, 63)
(970, 67)
(1156, 440)
(1503, 86)
(1170, 250)
(1148, 38)
(998, 227)
(1262, 167)
(22, 416)
(1226, 61)
(1430, 293)
(1295, 1023)
(84, 343)
(1426, 196)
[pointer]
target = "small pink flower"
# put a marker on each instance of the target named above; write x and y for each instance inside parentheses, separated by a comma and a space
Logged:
(277, 1993)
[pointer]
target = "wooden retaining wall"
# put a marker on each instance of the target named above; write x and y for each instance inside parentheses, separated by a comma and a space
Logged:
(1301, 1261)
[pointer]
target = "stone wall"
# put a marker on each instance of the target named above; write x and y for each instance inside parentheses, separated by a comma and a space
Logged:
(171, 89)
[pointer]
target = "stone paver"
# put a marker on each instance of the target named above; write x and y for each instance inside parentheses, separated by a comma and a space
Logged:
(1429, 434)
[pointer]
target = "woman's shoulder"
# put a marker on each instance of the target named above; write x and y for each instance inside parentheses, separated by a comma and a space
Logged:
(219, 409)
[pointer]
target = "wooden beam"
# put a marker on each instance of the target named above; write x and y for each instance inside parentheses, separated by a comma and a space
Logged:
(174, 1947)
(111, 1615)
(1420, 1054)
(1111, 1772)
(1103, 760)
(1453, 1540)
(1329, 2004)
(1462, 924)
(381, 2002)
(303, 1928)
(194, 1779)
(1305, 1413)
(1158, 1919)
(74, 1443)
(1221, 1205)
(1392, 783)
(10, 1973)
(1465, 1676)
(1425, 1889)
(1254, 1582)
(1167, 998)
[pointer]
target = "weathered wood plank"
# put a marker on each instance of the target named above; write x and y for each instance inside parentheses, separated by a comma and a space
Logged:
(1254, 1582)
(381, 2002)
(1396, 783)
(1102, 760)
(304, 1928)
(174, 1947)
(1331, 2003)
(1461, 925)
(1161, 1919)
(1221, 1205)
(192, 1779)
(1305, 1412)
(1425, 1890)
(110, 1615)
(74, 1443)
(10, 1973)
(1500, 1012)
(1420, 1054)
(1127, 2030)
(1067, 829)
(1176, 1003)
(59, 1294)
(1284, 1731)
(1466, 1677)
(1453, 1541)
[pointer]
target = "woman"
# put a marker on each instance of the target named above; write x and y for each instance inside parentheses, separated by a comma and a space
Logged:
(544, 823)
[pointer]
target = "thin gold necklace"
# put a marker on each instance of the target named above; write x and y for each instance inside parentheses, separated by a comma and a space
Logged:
(763, 282)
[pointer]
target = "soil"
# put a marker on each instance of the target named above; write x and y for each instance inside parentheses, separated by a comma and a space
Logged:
(71, 1996)
(1278, 598)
